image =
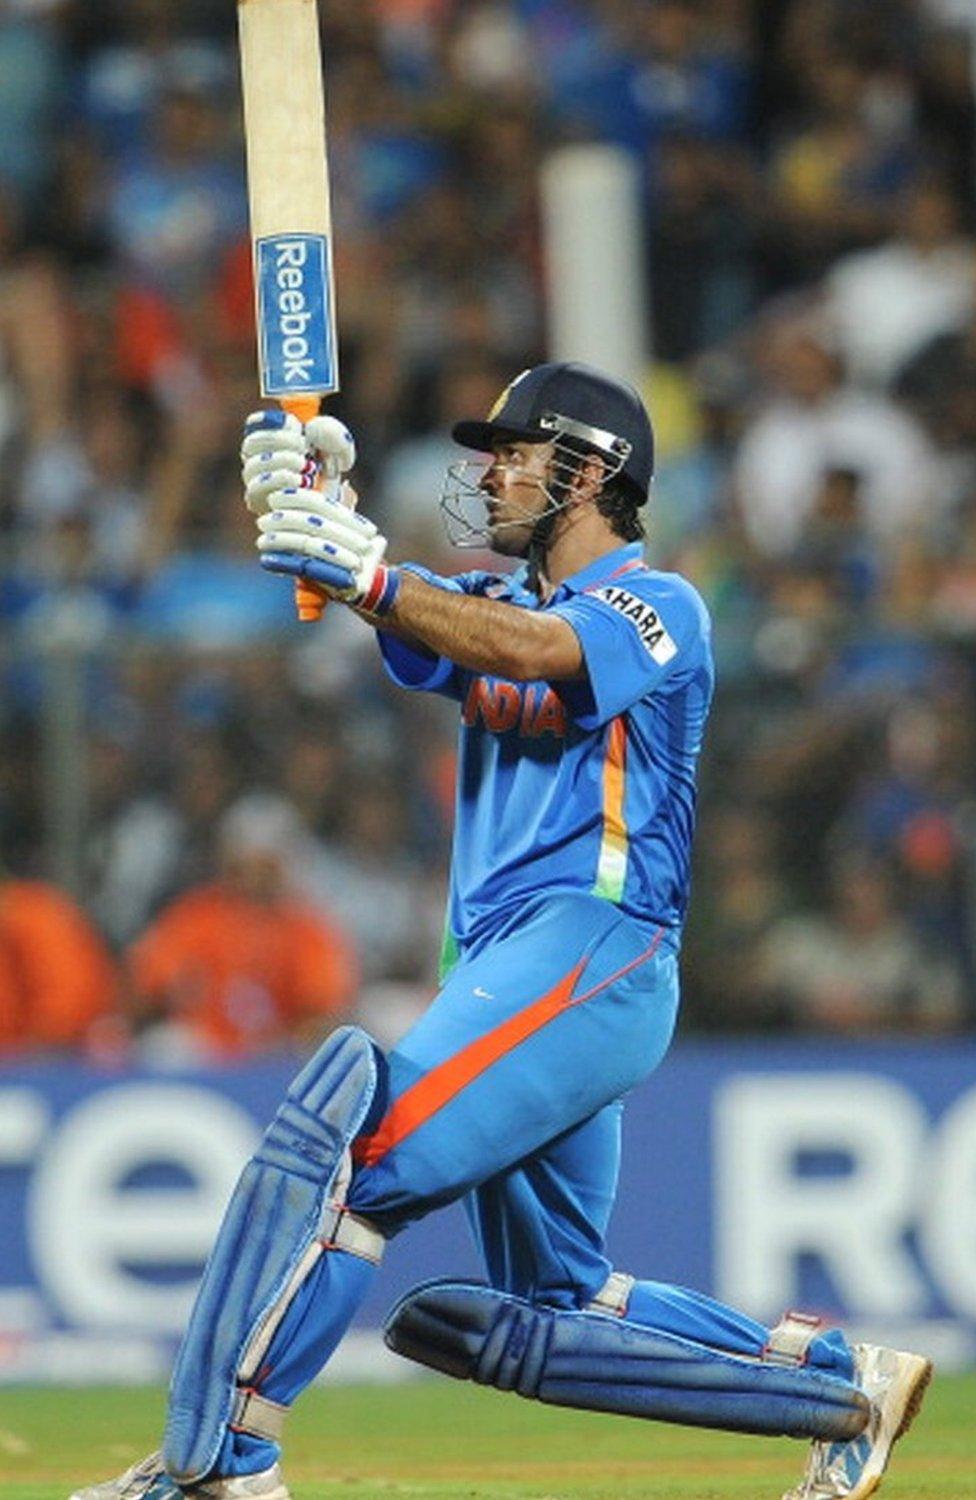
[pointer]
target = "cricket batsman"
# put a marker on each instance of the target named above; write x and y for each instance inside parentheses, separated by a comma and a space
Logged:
(583, 681)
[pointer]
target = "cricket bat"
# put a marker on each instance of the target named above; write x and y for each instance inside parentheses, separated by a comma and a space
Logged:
(291, 222)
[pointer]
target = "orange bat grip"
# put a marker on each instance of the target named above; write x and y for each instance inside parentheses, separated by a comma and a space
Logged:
(310, 601)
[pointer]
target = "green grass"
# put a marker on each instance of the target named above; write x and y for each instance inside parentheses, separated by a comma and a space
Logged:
(434, 1440)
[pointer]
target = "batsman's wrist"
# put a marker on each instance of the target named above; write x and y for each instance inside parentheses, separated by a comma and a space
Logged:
(382, 593)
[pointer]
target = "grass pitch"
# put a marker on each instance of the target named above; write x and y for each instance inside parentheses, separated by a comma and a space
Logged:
(434, 1440)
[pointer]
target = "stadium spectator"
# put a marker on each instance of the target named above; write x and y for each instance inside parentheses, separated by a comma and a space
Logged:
(704, 231)
(32, 83)
(154, 830)
(858, 967)
(149, 50)
(816, 482)
(641, 73)
(94, 472)
(374, 885)
(939, 384)
(835, 543)
(886, 304)
(908, 813)
(177, 206)
(739, 899)
(56, 976)
(813, 420)
(241, 965)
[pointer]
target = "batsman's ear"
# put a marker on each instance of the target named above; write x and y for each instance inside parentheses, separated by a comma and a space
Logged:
(588, 480)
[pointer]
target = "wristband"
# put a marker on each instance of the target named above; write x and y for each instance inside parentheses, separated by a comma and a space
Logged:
(382, 593)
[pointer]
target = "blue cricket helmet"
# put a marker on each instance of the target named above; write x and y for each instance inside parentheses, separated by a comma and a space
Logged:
(580, 404)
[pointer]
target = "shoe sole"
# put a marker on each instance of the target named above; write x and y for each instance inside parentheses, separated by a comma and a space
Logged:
(208, 1493)
(920, 1376)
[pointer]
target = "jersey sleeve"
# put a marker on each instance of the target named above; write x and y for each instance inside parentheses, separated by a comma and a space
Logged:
(635, 637)
(412, 666)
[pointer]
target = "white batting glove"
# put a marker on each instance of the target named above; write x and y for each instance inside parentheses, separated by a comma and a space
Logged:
(278, 453)
(332, 444)
(310, 535)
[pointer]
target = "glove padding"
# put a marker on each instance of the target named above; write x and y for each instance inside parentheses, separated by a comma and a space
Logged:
(278, 453)
(333, 444)
(293, 483)
(310, 535)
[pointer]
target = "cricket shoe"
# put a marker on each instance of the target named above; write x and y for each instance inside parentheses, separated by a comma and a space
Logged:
(148, 1480)
(134, 1484)
(895, 1384)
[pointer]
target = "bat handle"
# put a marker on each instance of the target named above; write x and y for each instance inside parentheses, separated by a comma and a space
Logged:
(310, 601)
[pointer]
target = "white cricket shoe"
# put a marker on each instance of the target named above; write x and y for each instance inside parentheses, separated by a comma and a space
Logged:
(148, 1480)
(268, 1485)
(134, 1484)
(895, 1384)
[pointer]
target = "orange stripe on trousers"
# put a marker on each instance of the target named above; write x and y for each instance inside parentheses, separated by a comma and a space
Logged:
(438, 1087)
(443, 1083)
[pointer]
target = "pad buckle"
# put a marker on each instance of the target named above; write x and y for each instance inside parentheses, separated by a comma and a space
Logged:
(341, 1229)
(614, 1295)
(789, 1342)
(257, 1415)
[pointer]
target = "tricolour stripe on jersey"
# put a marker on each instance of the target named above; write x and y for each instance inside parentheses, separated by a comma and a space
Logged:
(611, 868)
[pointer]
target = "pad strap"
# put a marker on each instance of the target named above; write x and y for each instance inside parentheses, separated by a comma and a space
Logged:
(789, 1342)
(257, 1415)
(344, 1230)
(614, 1295)
(339, 1230)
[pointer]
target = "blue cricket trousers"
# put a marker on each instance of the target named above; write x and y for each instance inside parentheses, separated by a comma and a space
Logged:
(508, 1093)
(508, 1090)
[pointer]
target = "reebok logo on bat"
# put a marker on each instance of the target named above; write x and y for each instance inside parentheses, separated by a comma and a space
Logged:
(294, 314)
(645, 620)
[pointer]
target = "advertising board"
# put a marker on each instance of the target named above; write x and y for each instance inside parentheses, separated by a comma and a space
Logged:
(840, 1178)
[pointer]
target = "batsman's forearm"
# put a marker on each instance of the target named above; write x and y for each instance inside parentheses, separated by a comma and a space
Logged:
(485, 635)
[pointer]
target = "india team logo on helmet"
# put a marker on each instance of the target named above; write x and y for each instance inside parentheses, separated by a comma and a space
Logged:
(498, 405)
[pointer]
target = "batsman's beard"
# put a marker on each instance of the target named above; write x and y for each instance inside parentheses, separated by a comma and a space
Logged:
(465, 496)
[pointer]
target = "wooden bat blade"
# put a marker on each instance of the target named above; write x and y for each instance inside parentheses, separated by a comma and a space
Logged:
(291, 226)
(288, 189)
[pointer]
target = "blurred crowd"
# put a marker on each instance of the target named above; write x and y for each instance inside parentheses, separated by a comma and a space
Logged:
(218, 830)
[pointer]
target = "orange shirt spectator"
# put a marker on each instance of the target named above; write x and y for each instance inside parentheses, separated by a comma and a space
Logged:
(56, 975)
(242, 965)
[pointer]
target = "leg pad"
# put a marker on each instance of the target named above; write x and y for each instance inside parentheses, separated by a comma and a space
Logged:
(605, 1363)
(285, 1212)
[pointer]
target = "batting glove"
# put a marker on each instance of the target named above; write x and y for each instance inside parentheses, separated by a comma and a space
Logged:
(278, 453)
(309, 535)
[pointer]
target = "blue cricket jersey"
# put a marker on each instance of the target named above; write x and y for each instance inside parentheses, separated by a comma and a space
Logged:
(586, 785)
